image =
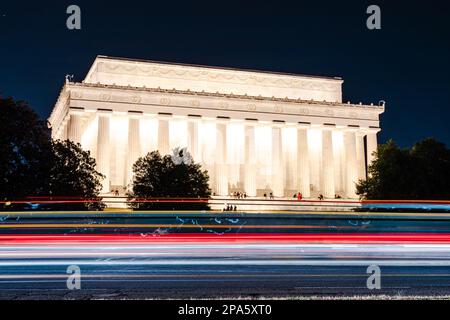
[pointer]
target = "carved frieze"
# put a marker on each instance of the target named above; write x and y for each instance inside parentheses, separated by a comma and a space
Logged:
(164, 101)
(77, 94)
(136, 99)
(248, 78)
(223, 105)
(194, 103)
(105, 96)
(278, 109)
(251, 107)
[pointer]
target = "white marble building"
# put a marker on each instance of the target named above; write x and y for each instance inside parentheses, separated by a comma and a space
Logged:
(255, 132)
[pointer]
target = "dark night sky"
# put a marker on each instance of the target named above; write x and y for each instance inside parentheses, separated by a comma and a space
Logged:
(407, 63)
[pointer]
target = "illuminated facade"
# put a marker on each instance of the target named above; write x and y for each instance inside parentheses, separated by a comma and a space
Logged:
(255, 132)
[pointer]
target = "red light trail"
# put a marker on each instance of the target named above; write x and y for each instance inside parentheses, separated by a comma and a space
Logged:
(363, 238)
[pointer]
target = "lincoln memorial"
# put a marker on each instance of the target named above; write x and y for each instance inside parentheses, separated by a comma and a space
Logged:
(255, 132)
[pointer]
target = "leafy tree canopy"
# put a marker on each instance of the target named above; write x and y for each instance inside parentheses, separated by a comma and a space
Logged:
(25, 145)
(73, 173)
(422, 172)
(171, 176)
(31, 164)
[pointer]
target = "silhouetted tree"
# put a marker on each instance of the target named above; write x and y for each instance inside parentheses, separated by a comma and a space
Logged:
(432, 159)
(171, 176)
(31, 164)
(25, 146)
(422, 172)
(73, 174)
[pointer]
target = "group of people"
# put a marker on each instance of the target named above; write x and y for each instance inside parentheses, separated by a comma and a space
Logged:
(271, 197)
(299, 196)
(239, 195)
(230, 208)
(243, 195)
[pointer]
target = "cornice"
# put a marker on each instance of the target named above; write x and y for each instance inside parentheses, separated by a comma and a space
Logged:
(136, 98)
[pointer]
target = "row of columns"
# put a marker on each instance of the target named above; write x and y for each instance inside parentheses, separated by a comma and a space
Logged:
(353, 162)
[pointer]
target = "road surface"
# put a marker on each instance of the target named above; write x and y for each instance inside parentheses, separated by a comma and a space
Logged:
(204, 256)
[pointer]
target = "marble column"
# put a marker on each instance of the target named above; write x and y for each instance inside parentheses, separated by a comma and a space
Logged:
(221, 172)
(75, 127)
(277, 163)
(351, 172)
(303, 181)
(250, 161)
(315, 158)
(360, 155)
(163, 136)
(62, 133)
(327, 183)
(103, 150)
(371, 145)
(339, 161)
(192, 143)
(134, 147)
